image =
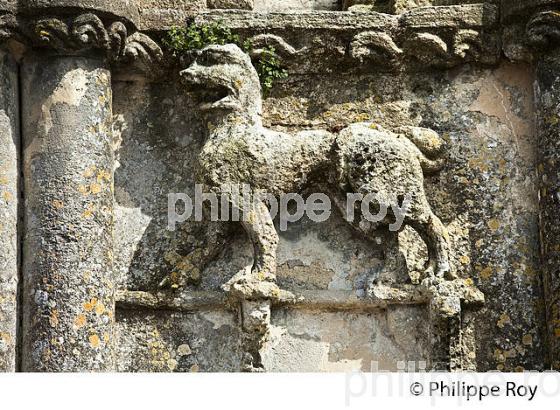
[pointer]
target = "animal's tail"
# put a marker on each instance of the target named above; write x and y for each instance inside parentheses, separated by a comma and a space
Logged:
(430, 144)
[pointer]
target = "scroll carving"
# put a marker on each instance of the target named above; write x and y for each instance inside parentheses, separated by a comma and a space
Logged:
(88, 32)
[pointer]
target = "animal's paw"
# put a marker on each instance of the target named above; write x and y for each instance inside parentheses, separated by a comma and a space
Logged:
(443, 270)
(252, 285)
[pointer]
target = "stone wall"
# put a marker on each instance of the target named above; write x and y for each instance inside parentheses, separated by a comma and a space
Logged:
(104, 128)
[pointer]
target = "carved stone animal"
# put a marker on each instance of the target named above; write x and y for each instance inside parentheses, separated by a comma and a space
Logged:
(362, 158)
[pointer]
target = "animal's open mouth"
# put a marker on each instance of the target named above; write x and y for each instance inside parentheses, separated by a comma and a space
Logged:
(210, 93)
(212, 96)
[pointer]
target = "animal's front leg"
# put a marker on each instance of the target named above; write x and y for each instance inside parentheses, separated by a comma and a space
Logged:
(260, 280)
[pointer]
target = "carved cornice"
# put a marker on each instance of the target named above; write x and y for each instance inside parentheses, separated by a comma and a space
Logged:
(425, 37)
(307, 42)
(103, 31)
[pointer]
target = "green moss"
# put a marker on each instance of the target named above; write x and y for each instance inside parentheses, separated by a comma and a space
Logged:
(182, 40)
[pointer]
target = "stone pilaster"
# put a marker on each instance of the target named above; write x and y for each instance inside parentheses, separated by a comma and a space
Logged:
(9, 198)
(68, 295)
(535, 26)
(548, 121)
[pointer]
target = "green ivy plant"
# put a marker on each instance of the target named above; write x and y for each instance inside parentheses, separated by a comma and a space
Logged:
(181, 40)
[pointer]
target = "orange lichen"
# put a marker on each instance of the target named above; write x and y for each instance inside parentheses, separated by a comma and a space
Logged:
(90, 305)
(486, 273)
(90, 171)
(94, 341)
(99, 309)
(95, 188)
(80, 321)
(103, 175)
(527, 340)
(58, 204)
(504, 320)
(53, 319)
(493, 224)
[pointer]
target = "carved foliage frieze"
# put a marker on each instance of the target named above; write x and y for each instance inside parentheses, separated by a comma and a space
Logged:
(81, 34)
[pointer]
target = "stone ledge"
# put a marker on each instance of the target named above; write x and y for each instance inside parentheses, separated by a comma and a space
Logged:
(117, 9)
(382, 297)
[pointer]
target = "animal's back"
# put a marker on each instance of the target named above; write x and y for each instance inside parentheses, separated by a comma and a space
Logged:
(373, 160)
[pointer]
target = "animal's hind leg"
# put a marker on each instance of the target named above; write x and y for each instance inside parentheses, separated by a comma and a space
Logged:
(435, 235)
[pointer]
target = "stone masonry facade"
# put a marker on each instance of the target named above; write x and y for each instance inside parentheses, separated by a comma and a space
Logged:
(455, 102)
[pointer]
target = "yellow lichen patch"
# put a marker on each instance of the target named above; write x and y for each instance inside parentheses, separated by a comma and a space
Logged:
(106, 337)
(504, 320)
(90, 171)
(486, 273)
(95, 188)
(527, 340)
(194, 368)
(90, 305)
(6, 337)
(553, 120)
(94, 341)
(83, 189)
(88, 213)
(493, 224)
(469, 282)
(519, 369)
(465, 260)
(4, 181)
(53, 319)
(172, 364)
(80, 321)
(499, 356)
(479, 243)
(557, 332)
(58, 204)
(7, 196)
(479, 164)
(103, 175)
(362, 117)
(99, 309)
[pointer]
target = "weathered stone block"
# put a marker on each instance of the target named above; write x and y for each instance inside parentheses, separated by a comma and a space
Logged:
(231, 4)
(287, 5)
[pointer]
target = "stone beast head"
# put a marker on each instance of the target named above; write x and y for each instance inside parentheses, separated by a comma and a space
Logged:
(225, 82)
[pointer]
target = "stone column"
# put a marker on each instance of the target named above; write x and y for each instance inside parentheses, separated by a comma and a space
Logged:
(9, 188)
(68, 292)
(548, 132)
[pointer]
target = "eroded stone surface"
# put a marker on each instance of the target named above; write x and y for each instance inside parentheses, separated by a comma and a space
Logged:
(68, 166)
(9, 211)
